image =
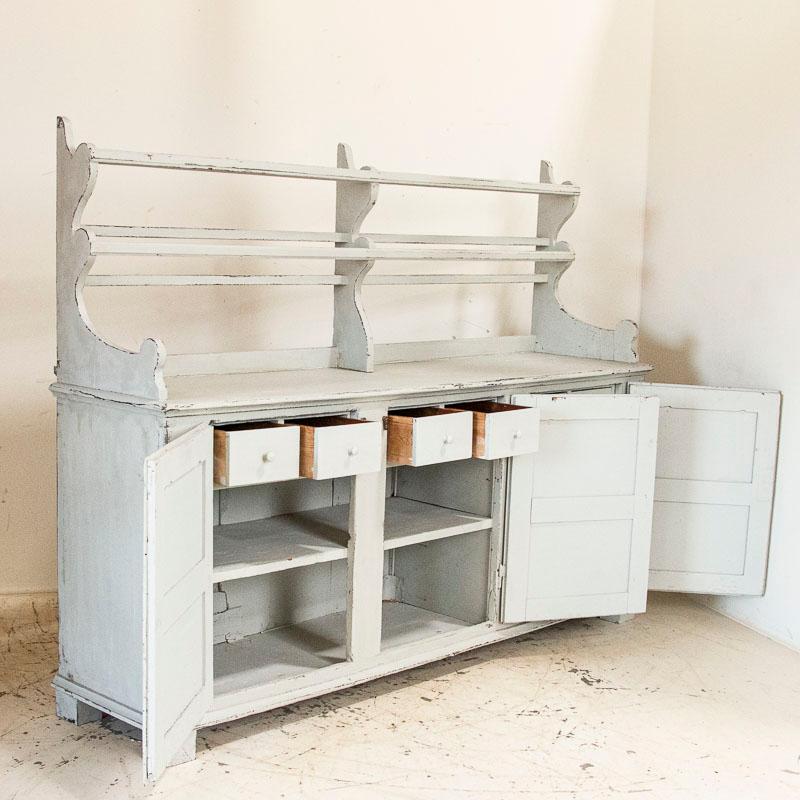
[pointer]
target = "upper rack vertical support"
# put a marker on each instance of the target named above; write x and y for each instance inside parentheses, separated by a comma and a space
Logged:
(352, 337)
(84, 358)
(554, 329)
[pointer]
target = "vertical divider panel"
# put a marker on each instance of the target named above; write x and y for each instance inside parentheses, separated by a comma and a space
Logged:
(365, 555)
(352, 337)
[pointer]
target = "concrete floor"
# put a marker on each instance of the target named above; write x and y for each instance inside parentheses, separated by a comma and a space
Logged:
(678, 703)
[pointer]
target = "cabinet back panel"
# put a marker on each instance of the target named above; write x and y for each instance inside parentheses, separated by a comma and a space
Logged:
(247, 503)
(462, 485)
(446, 576)
(257, 604)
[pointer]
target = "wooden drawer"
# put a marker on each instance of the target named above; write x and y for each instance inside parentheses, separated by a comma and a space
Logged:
(500, 430)
(420, 436)
(258, 452)
(332, 447)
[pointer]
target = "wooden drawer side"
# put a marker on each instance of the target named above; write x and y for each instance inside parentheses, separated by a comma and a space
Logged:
(335, 447)
(421, 436)
(256, 453)
(502, 430)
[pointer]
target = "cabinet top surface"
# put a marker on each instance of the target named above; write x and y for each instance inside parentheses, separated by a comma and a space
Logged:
(235, 392)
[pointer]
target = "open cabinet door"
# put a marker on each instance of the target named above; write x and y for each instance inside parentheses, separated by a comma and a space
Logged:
(579, 510)
(715, 475)
(178, 657)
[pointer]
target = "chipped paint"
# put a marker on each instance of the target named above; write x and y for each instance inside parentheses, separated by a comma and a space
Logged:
(703, 714)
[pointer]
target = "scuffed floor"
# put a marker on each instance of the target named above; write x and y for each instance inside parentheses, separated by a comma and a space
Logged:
(678, 703)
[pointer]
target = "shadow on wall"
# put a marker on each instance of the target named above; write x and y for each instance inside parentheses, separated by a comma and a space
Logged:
(673, 363)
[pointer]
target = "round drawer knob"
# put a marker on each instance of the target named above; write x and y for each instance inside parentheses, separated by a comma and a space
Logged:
(448, 439)
(353, 451)
(267, 457)
(517, 434)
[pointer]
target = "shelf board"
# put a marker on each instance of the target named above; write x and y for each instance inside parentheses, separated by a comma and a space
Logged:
(103, 279)
(132, 246)
(236, 234)
(292, 650)
(411, 522)
(322, 173)
(262, 546)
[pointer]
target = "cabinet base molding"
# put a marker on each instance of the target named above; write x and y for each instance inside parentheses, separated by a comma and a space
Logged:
(68, 693)
(69, 708)
(618, 619)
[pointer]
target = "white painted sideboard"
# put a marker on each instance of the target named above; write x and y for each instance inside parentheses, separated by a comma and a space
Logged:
(245, 530)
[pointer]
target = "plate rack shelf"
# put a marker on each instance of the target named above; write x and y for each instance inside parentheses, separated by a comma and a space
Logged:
(86, 360)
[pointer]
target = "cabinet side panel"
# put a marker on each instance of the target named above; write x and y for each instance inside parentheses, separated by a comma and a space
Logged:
(101, 452)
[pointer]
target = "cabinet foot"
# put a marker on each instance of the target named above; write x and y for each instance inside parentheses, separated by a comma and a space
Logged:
(187, 752)
(68, 707)
(619, 619)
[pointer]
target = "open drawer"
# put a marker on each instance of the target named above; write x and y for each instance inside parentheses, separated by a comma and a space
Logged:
(256, 452)
(333, 447)
(420, 436)
(501, 430)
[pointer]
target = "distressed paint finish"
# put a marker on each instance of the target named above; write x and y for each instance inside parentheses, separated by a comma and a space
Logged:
(555, 329)
(365, 554)
(578, 538)
(178, 549)
(84, 359)
(586, 692)
(318, 621)
(715, 477)
(101, 452)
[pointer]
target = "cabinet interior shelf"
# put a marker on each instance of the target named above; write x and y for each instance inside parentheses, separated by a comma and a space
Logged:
(286, 652)
(245, 549)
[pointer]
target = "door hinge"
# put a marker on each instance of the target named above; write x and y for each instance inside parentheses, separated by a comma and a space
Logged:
(501, 574)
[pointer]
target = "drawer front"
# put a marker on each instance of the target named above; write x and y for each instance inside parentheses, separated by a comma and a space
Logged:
(501, 430)
(256, 455)
(335, 451)
(501, 434)
(435, 436)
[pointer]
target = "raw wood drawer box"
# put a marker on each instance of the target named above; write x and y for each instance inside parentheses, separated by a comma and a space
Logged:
(502, 430)
(420, 436)
(333, 447)
(258, 452)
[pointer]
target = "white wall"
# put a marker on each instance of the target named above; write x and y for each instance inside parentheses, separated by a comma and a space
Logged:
(452, 87)
(721, 281)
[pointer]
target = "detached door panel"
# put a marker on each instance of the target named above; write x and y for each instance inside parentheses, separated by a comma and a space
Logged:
(578, 523)
(714, 485)
(178, 657)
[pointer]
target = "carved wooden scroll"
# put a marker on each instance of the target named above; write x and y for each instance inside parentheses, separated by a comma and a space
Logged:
(556, 330)
(84, 358)
(352, 337)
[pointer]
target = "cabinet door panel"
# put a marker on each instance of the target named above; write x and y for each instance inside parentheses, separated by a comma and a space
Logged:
(578, 523)
(178, 658)
(714, 483)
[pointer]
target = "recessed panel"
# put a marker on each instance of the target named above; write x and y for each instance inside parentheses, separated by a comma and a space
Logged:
(586, 458)
(182, 509)
(706, 444)
(571, 559)
(699, 537)
(182, 661)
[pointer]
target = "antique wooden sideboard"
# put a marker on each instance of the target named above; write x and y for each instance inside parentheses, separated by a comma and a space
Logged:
(239, 531)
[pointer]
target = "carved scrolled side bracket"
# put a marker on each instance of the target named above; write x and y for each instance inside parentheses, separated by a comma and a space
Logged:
(84, 358)
(352, 336)
(555, 330)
